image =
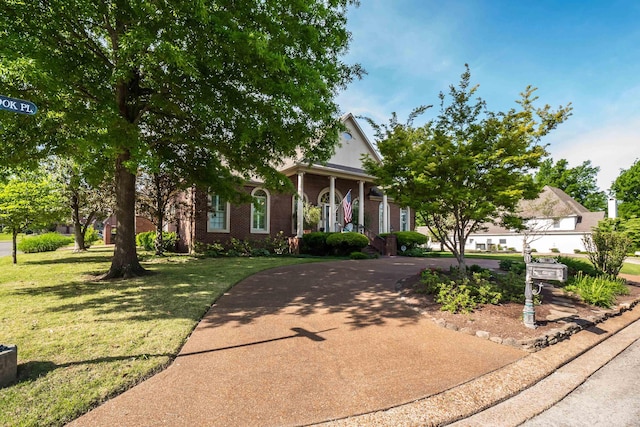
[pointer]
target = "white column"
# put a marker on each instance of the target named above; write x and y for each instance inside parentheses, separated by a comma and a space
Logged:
(332, 203)
(385, 215)
(361, 205)
(300, 206)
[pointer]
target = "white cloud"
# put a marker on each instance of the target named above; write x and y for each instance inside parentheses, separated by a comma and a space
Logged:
(612, 146)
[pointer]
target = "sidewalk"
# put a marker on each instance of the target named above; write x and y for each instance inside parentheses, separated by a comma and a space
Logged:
(312, 343)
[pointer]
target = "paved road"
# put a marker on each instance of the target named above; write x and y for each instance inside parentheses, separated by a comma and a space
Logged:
(5, 248)
(608, 398)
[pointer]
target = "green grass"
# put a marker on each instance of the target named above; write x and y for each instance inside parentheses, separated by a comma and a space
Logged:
(629, 268)
(7, 237)
(81, 341)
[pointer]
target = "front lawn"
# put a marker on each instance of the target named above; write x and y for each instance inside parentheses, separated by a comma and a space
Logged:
(81, 341)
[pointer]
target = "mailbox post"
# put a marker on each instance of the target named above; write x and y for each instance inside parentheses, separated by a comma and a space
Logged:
(542, 269)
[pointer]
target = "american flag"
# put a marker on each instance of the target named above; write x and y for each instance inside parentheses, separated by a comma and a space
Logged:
(346, 205)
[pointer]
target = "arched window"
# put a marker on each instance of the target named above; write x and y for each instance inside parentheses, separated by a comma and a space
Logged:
(218, 214)
(260, 211)
(323, 202)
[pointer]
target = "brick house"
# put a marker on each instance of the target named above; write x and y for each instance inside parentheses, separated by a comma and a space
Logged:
(212, 219)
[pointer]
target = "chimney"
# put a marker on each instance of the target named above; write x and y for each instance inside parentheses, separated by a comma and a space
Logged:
(612, 209)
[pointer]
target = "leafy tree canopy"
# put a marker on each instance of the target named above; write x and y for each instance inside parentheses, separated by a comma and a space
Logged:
(578, 182)
(626, 189)
(28, 202)
(222, 90)
(466, 167)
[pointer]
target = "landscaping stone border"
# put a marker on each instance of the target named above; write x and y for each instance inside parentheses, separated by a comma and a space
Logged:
(532, 345)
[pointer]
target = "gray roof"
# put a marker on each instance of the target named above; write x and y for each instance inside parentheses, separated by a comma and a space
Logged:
(552, 202)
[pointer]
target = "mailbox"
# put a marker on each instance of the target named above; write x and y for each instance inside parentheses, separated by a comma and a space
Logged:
(547, 271)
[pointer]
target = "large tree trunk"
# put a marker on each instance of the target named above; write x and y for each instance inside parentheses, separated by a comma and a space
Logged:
(158, 242)
(78, 235)
(125, 258)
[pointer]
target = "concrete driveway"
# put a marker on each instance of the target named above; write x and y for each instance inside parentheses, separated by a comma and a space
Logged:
(304, 344)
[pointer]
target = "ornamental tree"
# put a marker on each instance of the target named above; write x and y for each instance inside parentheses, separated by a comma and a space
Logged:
(28, 202)
(226, 88)
(157, 198)
(466, 167)
(85, 200)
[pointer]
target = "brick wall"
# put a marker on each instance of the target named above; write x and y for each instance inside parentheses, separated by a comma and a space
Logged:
(280, 218)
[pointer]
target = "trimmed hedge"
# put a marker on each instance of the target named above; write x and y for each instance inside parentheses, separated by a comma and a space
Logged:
(47, 242)
(315, 243)
(410, 239)
(346, 243)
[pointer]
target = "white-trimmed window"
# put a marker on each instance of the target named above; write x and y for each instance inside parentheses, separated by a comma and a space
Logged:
(405, 219)
(218, 215)
(260, 211)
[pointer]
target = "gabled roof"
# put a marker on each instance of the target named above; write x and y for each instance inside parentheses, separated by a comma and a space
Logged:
(347, 159)
(552, 202)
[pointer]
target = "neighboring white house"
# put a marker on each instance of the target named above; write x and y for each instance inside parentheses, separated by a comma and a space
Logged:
(556, 223)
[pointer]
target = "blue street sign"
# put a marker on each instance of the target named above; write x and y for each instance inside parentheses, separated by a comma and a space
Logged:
(17, 105)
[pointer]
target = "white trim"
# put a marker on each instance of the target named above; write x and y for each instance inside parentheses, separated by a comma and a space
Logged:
(383, 214)
(267, 213)
(408, 210)
(294, 210)
(361, 202)
(338, 215)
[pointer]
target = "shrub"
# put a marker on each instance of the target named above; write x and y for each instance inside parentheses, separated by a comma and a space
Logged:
(512, 265)
(236, 247)
(455, 298)
(415, 252)
(607, 248)
(260, 252)
(575, 266)
(600, 290)
(279, 244)
(90, 236)
(359, 255)
(463, 294)
(555, 250)
(316, 243)
(147, 240)
(505, 264)
(215, 249)
(475, 268)
(44, 243)
(410, 239)
(345, 243)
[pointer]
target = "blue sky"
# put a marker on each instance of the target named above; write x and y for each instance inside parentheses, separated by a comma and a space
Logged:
(586, 53)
